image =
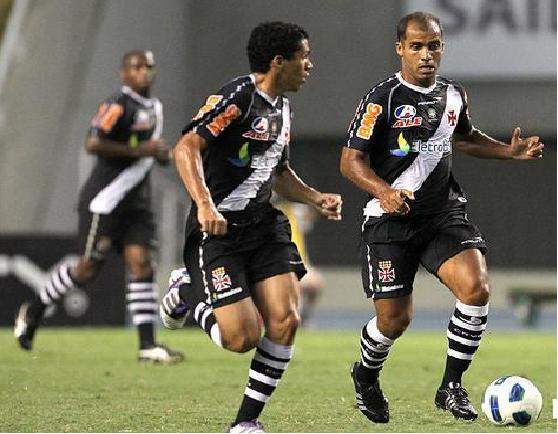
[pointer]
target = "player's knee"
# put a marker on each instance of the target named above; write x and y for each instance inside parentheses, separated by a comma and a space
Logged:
(85, 270)
(394, 325)
(477, 293)
(241, 342)
(284, 328)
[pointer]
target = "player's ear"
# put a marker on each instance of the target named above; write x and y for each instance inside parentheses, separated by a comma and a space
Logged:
(399, 48)
(278, 61)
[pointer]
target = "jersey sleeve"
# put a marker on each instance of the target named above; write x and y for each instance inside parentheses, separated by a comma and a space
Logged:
(110, 111)
(464, 123)
(221, 111)
(364, 129)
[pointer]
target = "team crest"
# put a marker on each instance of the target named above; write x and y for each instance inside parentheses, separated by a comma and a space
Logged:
(386, 273)
(220, 279)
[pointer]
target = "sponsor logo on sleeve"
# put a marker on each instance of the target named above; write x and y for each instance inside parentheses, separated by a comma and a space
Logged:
(223, 120)
(210, 104)
(368, 121)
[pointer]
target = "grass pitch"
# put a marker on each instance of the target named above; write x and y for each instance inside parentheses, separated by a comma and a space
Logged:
(88, 380)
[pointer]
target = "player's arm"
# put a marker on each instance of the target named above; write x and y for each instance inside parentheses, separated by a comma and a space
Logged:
(289, 186)
(189, 163)
(106, 148)
(364, 133)
(354, 166)
(480, 145)
(474, 142)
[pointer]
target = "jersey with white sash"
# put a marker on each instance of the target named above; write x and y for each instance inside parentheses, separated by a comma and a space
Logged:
(408, 131)
(126, 118)
(248, 140)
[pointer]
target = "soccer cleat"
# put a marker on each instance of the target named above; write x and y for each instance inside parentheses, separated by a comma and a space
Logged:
(172, 310)
(25, 326)
(247, 426)
(370, 399)
(160, 354)
(453, 398)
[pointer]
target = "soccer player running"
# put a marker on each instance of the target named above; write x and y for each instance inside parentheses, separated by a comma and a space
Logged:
(238, 247)
(115, 207)
(416, 212)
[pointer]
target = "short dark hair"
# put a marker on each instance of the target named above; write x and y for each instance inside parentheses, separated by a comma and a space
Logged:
(270, 39)
(418, 17)
(127, 58)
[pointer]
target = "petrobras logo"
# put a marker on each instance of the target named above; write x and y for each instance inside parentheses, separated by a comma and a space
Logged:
(260, 125)
(405, 112)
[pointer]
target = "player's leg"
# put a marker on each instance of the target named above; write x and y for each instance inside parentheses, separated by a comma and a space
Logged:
(94, 235)
(310, 287)
(455, 255)
(277, 298)
(466, 275)
(388, 271)
(142, 301)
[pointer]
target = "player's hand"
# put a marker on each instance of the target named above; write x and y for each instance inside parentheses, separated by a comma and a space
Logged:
(156, 148)
(211, 221)
(529, 148)
(394, 201)
(329, 205)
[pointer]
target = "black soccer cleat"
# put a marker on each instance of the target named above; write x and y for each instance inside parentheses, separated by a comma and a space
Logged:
(370, 399)
(454, 399)
(25, 326)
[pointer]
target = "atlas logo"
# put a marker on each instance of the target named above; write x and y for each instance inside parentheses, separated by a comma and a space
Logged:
(243, 156)
(405, 112)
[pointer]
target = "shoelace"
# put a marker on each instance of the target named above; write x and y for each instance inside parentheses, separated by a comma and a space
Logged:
(373, 394)
(458, 397)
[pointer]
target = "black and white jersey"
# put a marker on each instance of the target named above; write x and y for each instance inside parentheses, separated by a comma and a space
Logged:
(127, 118)
(407, 131)
(248, 139)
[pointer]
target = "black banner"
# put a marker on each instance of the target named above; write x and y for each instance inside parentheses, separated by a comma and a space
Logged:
(27, 260)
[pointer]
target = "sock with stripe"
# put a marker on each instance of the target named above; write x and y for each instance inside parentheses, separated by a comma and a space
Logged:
(205, 319)
(464, 335)
(142, 301)
(268, 365)
(59, 283)
(374, 350)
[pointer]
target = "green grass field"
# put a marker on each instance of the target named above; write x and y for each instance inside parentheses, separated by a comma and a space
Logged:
(84, 380)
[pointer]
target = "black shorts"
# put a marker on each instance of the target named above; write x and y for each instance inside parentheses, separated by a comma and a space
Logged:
(124, 226)
(393, 247)
(227, 267)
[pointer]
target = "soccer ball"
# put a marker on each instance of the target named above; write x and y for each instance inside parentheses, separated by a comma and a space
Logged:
(512, 400)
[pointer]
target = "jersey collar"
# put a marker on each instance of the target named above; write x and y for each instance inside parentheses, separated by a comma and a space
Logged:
(414, 87)
(134, 95)
(264, 95)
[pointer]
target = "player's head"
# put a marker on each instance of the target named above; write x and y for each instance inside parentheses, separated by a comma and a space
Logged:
(282, 49)
(138, 70)
(420, 46)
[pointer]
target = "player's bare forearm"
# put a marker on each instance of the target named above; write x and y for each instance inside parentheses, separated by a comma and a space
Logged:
(355, 168)
(110, 149)
(480, 145)
(288, 185)
(188, 161)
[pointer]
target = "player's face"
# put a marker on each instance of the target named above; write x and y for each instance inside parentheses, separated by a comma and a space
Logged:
(421, 52)
(139, 73)
(296, 70)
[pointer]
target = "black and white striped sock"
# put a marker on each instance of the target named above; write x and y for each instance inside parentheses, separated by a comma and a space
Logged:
(464, 335)
(268, 365)
(205, 318)
(60, 283)
(374, 350)
(141, 298)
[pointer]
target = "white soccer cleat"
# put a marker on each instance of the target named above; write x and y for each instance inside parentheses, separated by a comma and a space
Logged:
(172, 310)
(247, 427)
(160, 354)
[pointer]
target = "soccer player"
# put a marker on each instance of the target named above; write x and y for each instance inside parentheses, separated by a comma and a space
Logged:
(238, 247)
(416, 213)
(115, 206)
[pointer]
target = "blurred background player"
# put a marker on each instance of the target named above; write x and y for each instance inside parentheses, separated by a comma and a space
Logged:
(301, 217)
(416, 212)
(238, 247)
(115, 207)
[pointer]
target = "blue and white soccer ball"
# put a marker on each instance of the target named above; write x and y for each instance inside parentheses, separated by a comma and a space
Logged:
(512, 400)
